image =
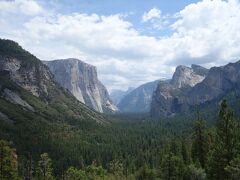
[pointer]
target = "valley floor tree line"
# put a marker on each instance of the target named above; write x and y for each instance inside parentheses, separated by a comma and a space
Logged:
(139, 151)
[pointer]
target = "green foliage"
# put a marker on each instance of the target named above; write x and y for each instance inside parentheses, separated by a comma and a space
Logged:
(185, 152)
(75, 174)
(44, 168)
(200, 142)
(12, 49)
(233, 169)
(8, 162)
(95, 172)
(144, 173)
(116, 168)
(137, 148)
(226, 144)
(194, 173)
(172, 167)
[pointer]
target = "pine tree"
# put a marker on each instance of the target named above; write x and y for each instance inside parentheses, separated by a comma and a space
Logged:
(225, 146)
(172, 167)
(8, 162)
(44, 169)
(29, 168)
(200, 144)
(185, 153)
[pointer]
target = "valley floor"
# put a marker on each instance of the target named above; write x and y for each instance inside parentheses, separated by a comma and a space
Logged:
(128, 147)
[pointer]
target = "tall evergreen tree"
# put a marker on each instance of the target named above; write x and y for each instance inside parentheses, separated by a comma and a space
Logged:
(225, 146)
(185, 153)
(200, 144)
(172, 167)
(29, 168)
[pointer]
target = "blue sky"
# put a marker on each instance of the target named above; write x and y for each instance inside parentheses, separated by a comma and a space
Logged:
(134, 9)
(130, 42)
(108, 7)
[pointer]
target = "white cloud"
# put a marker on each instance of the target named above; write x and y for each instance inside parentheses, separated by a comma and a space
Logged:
(27, 7)
(205, 33)
(152, 13)
(157, 20)
(210, 29)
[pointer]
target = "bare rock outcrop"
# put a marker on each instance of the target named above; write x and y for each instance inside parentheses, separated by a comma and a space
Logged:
(82, 81)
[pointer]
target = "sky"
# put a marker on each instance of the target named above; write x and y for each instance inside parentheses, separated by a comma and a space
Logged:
(131, 42)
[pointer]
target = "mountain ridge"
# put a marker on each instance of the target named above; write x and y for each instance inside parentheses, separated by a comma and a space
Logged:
(218, 83)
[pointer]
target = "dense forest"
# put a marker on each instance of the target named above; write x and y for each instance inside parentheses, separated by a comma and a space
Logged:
(130, 147)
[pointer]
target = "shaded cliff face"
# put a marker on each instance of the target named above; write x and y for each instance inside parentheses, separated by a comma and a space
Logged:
(170, 97)
(81, 80)
(139, 99)
(165, 99)
(219, 82)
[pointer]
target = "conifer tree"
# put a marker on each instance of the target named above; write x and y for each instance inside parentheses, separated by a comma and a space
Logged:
(29, 168)
(185, 153)
(172, 167)
(225, 146)
(200, 144)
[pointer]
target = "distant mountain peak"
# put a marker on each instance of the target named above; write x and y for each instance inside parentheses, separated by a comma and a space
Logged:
(188, 76)
(139, 99)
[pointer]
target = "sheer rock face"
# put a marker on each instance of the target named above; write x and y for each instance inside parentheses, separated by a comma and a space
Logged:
(219, 82)
(27, 75)
(185, 76)
(165, 97)
(81, 80)
(171, 97)
(139, 99)
(23, 76)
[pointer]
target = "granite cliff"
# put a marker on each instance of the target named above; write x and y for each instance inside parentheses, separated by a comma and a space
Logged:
(82, 81)
(170, 97)
(28, 90)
